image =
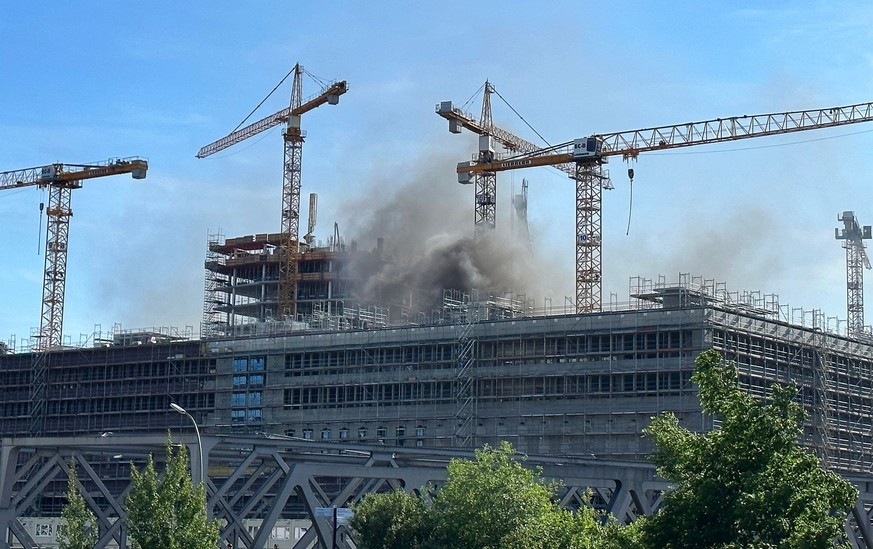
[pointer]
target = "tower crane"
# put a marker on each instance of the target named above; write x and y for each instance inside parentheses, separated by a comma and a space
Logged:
(293, 137)
(61, 179)
(853, 236)
(486, 181)
(589, 154)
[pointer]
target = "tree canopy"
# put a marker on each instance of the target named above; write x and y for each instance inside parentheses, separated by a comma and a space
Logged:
(169, 512)
(492, 501)
(747, 483)
(78, 528)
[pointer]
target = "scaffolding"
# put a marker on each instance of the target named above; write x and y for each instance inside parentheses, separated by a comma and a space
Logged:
(478, 370)
(832, 373)
(464, 384)
(213, 323)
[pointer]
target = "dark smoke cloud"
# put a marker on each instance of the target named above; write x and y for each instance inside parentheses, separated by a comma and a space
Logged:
(426, 222)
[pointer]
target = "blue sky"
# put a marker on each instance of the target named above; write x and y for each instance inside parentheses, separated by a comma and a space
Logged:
(86, 81)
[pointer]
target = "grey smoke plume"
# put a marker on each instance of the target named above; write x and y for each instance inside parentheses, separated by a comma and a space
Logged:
(427, 225)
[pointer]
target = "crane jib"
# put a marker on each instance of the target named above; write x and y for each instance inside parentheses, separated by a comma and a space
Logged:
(718, 130)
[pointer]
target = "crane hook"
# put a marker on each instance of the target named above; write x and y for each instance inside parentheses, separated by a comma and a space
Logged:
(630, 208)
(39, 236)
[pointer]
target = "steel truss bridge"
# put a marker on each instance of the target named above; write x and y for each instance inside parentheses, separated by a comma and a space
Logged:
(272, 477)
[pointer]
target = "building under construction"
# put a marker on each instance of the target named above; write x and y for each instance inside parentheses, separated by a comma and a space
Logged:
(242, 284)
(479, 371)
(330, 345)
(558, 385)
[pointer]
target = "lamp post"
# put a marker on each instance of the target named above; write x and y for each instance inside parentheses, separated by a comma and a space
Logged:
(177, 408)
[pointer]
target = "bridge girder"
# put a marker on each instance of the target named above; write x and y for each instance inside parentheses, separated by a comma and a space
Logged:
(262, 477)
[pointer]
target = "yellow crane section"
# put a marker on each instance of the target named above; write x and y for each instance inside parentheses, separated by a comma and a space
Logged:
(590, 153)
(485, 206)
(61, 179)
(329, 95)
(629, 144)
(55, 174)
(291, 186)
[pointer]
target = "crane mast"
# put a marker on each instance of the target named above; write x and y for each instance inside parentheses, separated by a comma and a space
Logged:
(853, 236)
(291, 185)
(293, 137)
(485, 182)
(589, 154)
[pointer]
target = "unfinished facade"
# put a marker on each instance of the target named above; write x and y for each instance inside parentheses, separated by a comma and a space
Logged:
(553, 385)
(479, 372)
(242, 282)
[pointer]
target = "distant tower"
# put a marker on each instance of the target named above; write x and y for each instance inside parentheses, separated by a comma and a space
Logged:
(519, 221)
(853, 236)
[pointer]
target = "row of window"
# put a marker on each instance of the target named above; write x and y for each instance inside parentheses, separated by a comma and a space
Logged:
(132, 403)
(535, 347)
(247, 415)
(248, 380)
(777, 359)
(782, 351)
(249, 364)
(363, 433)
(489, 363)
(499, 389)
(142, 370)
(251, 398)
(14, 409)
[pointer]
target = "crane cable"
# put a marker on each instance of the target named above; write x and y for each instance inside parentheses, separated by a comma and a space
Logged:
(521, 117)
(466, 103)
(320, 81)
(263, 100)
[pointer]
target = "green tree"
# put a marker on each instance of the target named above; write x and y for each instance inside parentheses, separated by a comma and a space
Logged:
(169, 512)
(78, 528)
(487, 499)
(747, 483)
(396, 520)
(492, 501)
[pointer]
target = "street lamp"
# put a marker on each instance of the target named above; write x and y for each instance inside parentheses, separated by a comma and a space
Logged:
(177, 408)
